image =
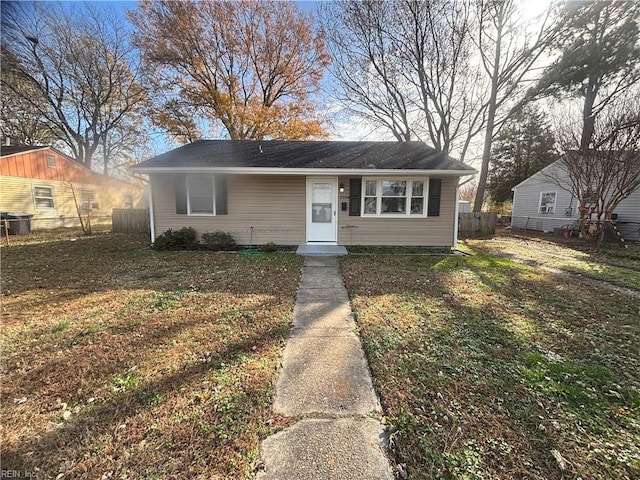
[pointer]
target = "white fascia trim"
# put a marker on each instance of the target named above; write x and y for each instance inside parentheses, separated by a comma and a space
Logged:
(304, 171)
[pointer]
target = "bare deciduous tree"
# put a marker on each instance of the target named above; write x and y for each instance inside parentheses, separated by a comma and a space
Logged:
(20, 121)
(508, 51)
(365, 63)
(405, 66)
(608, 172)
(81, 63)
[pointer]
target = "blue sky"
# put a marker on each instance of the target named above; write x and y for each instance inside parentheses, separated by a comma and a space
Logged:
(342, 127)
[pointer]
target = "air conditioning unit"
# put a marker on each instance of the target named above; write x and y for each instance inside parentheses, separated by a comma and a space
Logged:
(90, 206)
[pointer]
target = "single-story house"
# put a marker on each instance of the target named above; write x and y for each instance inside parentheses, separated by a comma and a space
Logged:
(308, 192)
(541, 203)
(42, 181)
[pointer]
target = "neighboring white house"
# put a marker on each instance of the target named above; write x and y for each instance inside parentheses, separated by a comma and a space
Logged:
(464, 206)
(540, 203)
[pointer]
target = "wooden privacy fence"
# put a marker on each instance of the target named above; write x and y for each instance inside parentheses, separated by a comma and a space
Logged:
(481, 224)
(130, 220)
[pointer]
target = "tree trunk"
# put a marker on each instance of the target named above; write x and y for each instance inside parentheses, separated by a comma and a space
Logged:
(491, 119)
(486, 153)
(105, 159)
(589, 119)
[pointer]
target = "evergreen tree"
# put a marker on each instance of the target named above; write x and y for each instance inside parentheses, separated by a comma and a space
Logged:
(524, 146)
(600, 57)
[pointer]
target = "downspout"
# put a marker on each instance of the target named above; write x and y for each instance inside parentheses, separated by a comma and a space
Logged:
(513, 206)
(457, 214)
(152, 223)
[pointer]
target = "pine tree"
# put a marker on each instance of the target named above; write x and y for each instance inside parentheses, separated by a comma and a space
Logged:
(524, 146)
(600, 57)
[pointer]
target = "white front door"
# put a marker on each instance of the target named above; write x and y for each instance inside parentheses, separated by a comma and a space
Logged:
(322, 210)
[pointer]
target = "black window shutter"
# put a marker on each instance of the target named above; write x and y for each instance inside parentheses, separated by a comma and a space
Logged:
(221, 194)
(434, 197)
(355, 191)
(181, 193)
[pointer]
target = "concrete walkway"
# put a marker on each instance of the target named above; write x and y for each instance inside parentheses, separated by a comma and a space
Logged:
(325, 380)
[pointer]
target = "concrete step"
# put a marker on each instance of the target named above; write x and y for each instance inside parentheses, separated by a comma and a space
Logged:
(321, 250)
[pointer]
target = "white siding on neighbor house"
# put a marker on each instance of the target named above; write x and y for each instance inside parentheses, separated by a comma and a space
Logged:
(628, 221)
(275, 206)
(526, 208)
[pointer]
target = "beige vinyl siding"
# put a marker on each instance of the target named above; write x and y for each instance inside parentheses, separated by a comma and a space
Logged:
(431, 231)
(17, 196)
(273, 205)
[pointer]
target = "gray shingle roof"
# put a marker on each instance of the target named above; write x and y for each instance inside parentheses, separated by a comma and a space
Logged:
(13, 149)
(304, 154)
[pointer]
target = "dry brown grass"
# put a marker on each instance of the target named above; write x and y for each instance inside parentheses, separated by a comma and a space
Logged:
(487, 366)
(122, 362)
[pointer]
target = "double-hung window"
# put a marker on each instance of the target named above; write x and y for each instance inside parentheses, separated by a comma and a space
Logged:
(43, 197)
(201, 196)
(394, 197)
(547, 202)
(87, 199)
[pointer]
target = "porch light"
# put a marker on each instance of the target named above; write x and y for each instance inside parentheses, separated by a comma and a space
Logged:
(341, 187)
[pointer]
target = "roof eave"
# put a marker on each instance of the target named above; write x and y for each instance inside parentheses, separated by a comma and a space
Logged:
(34, 149)
(306, 171)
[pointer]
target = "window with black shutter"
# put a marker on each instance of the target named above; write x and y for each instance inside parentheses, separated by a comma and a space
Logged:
(355, 191)
(435, 185)
(181, 193)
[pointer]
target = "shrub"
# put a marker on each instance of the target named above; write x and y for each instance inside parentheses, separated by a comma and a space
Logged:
(269, 247)
(218, 241)
(183, 239)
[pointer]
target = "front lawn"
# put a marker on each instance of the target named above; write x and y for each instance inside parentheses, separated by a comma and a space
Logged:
(609, 262)
(491, 368)
(122, 362)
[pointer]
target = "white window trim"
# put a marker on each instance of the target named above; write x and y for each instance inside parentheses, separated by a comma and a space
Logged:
(213, 189)
(48, 157)
(408, 214)
(52, 197)
(555, 200)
